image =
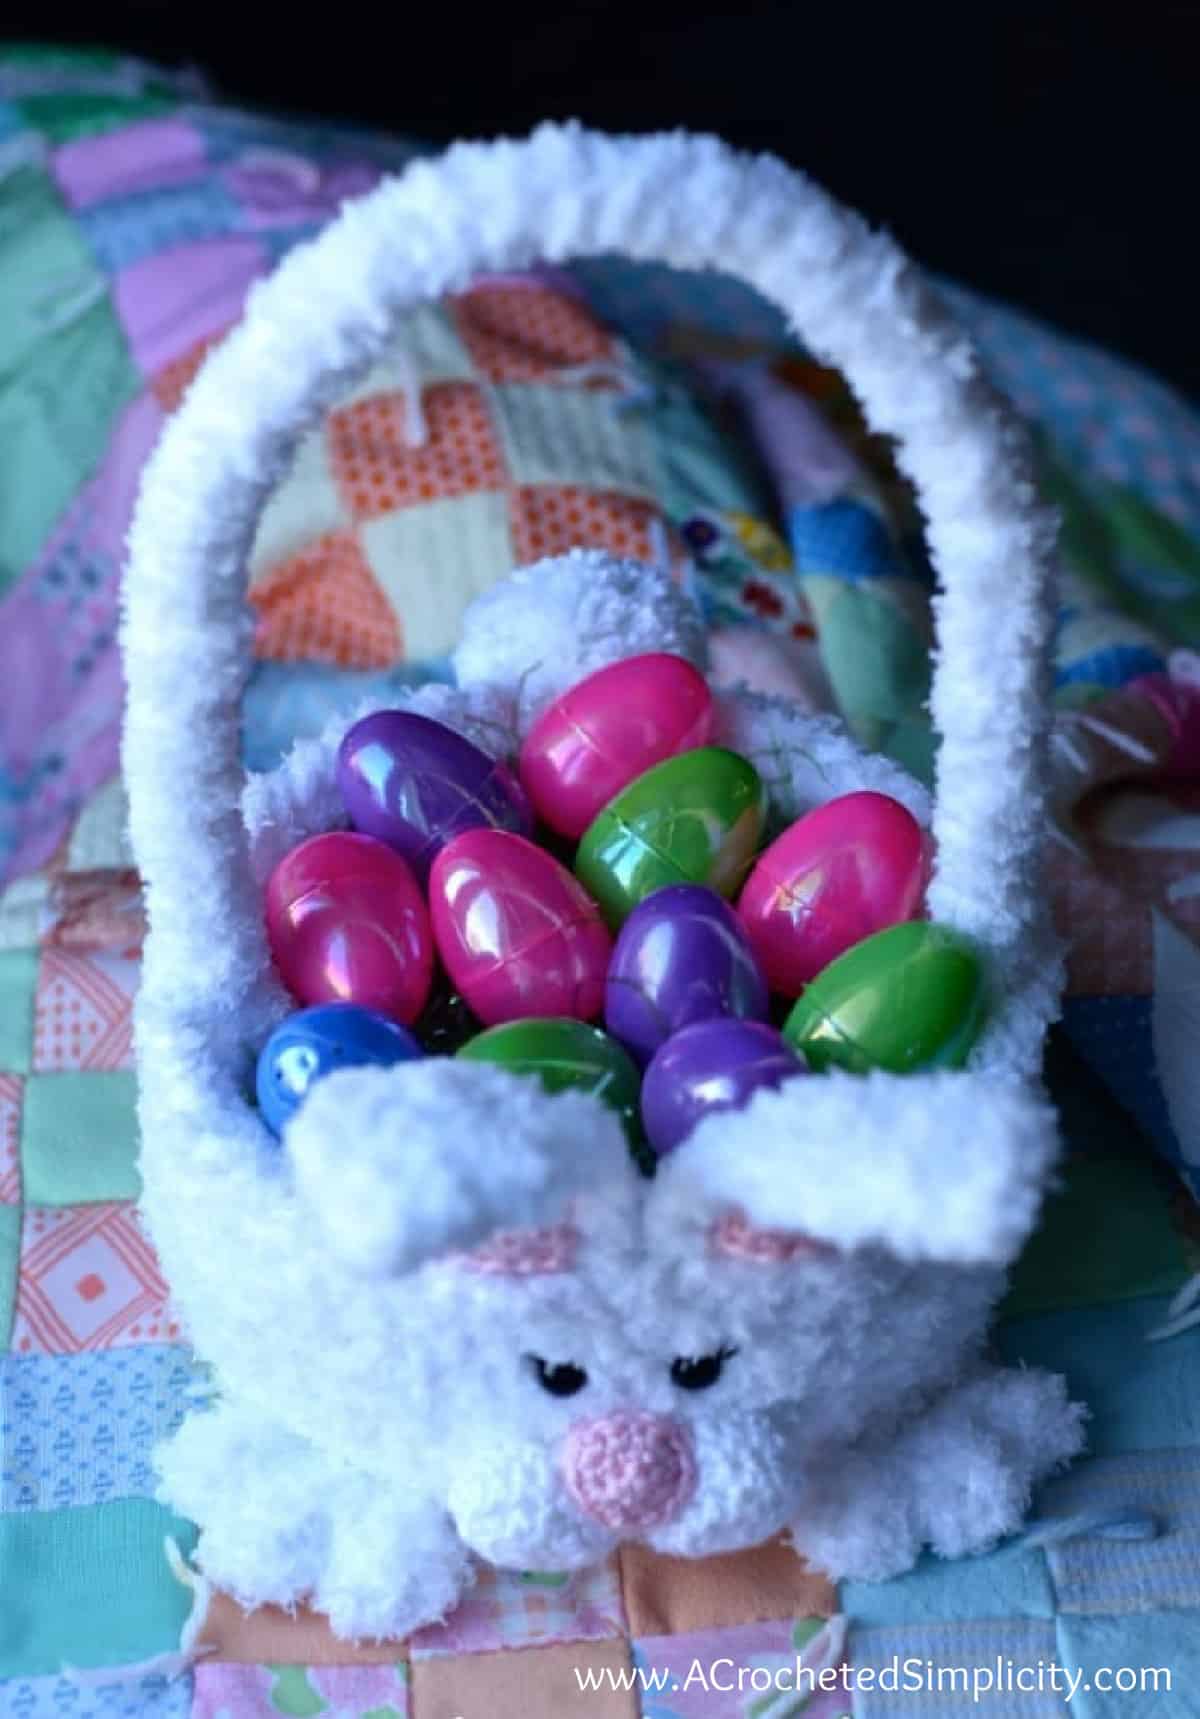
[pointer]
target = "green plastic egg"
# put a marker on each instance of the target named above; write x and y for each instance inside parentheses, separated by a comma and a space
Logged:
(911, 997)
(564, 1053)
(695, 818)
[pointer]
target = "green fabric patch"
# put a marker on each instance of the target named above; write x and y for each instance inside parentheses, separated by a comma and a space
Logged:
(10, 1265)
(701, 470)
(1106, 1235)
(79, 1138)
(89, 1587)
(878, 666)
(68, 114)
(18, 981)
(65, 369)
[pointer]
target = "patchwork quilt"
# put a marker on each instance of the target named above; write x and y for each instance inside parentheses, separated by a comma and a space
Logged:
(671, 417)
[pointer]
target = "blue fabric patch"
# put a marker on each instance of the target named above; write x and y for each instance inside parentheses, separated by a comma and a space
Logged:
(286, 702)
(61, 1698)
(940, 1670)
(1138, 1644)
(1112, 666)
(1113, 1035)
(1013, 1583)
(844, 538)
(1143, 1396)
(126, 230)
(80, 1429)
(1096, 1574)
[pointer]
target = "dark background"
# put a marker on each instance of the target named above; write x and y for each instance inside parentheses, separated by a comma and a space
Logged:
(1046, 154)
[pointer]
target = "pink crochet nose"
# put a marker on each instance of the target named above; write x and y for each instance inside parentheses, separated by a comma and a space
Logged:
(629, 1470)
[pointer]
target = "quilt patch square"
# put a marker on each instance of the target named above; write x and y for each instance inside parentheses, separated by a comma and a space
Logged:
(1097, 1575)
(89, 1280)
(266, 1691)
(79, 1138)
(11, 1092)
(1145, 1666)
(383, 458)
(675, 1596)
(81, 1429)
(324, 604)
(1011, 1582)
(431, 561)
(427, 349)
(581, 1680)
(89, 1587)
(305, 507)
(548, 519)
(754, 1671)
(100, 1697)
(10, 1266)
(956, 1670)
(581, 437)
(524, 333)
(83, 1013)
(507, 1608)
(18, 986)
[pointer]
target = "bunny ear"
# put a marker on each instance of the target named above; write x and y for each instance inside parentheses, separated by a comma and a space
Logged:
(929, 1166)
(400, 1166)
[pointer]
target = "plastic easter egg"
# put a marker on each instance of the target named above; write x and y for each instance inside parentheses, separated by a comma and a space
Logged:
(346, 923)
(911, 997)
(416, 784)
(842, 872)
(609, 729)
(696, 818)
(709, 1066)
(564, 1053)
(517, 934)
(311, 1044)
(681, 956)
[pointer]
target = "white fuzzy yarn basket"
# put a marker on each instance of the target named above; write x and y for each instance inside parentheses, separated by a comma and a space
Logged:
(935, 1168)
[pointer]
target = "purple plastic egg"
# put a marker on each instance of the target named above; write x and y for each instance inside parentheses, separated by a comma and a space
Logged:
(712, 1065)
(416, 784)
(681, 956)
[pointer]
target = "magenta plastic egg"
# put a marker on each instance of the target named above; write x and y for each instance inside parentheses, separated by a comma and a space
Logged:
(517, 934)
(346, 924)
(608, 729)
(842, 872)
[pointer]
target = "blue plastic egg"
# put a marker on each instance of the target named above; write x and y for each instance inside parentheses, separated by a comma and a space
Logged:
(311, 1044)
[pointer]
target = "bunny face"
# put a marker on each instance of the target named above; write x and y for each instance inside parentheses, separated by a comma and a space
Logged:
(593, 1357)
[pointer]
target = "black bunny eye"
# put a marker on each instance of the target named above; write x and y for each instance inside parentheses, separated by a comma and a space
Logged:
(562, 1379)
(698, 1372)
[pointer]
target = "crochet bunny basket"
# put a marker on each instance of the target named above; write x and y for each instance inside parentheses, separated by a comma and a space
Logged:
(374, 1296)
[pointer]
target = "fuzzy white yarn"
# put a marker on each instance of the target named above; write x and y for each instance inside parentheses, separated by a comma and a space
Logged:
(365, 1376)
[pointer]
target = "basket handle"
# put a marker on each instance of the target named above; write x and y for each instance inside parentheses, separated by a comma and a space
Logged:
(326, 315)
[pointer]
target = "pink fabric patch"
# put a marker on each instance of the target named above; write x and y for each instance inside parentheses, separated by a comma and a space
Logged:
(169, 302)
(735, 1236)
(526, 1253)
(509, 1608)
(629, 1470)
(761, 1657)
(147, 156)
(264, 1691)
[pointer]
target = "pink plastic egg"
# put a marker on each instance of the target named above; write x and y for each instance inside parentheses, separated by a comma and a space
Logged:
(346, 923)
(842, 872)
(518, 934)
(609, 729)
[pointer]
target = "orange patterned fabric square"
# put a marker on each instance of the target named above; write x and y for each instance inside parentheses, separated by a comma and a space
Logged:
(376, 467)
(550, 518)
(525, 333)
(325, 605)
